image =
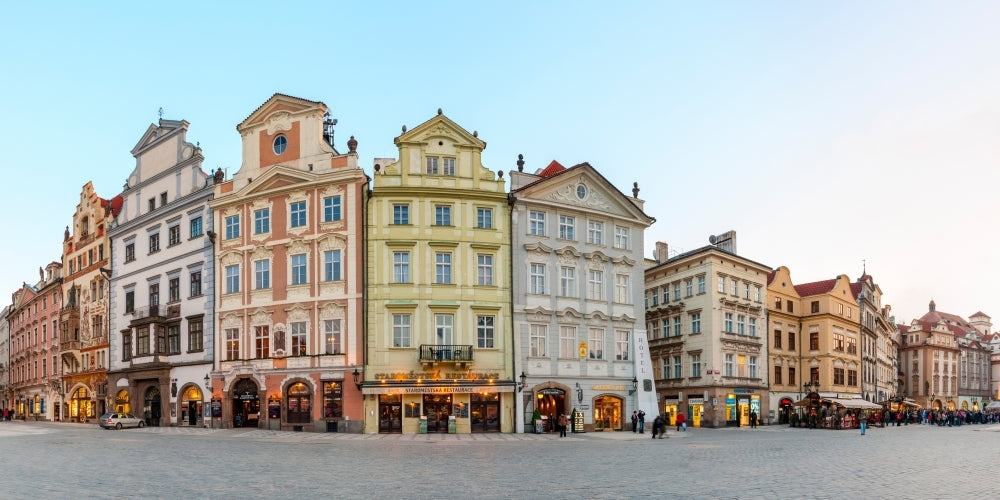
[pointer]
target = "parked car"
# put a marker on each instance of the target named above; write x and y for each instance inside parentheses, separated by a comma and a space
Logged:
(119, 420)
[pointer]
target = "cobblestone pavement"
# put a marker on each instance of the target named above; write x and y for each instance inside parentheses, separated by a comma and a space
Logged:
(57, 460)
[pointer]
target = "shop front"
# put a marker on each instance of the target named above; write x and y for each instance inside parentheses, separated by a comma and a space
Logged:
(418, 409)
(608, 410)
(81, 406)
(191, 406)
(696, 411)
(739, 405)
(671, 404)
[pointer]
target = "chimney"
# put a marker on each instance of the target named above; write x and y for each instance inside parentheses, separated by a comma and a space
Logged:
(661, 254)
(932, 306)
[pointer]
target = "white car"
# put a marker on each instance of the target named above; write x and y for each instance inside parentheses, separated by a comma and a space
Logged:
(119, 420)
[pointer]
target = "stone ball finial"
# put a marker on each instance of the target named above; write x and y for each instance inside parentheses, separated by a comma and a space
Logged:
(520, 163)
(404, 129)
(352, 145)
(440, 112)
(635, 189)
(378, 167)
(475, 133)
(500, 174)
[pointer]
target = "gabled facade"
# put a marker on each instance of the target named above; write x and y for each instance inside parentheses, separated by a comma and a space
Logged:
(83, 325)
(577, 243)
(290, 262)
(822, 319)
(945, 363)
(162, 275)
(878, 377)
(6, 400)
(439, 341)
(708, 335)
(35, 383)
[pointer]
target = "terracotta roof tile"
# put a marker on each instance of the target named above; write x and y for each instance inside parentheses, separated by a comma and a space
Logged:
(553, 169)
(815, 288)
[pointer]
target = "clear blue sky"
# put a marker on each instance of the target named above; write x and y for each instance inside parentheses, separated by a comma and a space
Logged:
(824, 133)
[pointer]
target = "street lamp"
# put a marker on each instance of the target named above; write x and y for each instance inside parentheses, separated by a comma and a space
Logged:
(208, 382)
(635, 386)
(810, 387)
(524, 382)
(357, 378)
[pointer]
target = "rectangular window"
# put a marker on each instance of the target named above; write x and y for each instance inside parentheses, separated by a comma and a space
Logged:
(442, 268)
(400, 267)
(777, 339)
(232, 344)
(484, 269)
(196, 284)
(788, 306)
(536, 223)
(838, 342)
(299, 269)
(484, 218)
(701, 284)
(722, 285)
(298, 213)
(622, 345)
(196, 227)
(813, 341)
(331, 265)
(233, 279)
(196, 332)
(173, 236)
(567, 227)
(595, 233)
(401, 330)
(695, 323)
(485, 332)
(696, 365)
(442, 215)
(852, 346)
(622, 289)
(163, 199)
(728, 323)
(654, 329)
(331, 209)
(730, 365)
(129, 301)
(677, 291)
(567, 342)
(174, 339)
(161, 340)
(262, 274)
(791, 375)
(596, 343)
(537, 274)
(448, 165)
(595, 285)
(154, 295)
(262, 221)
(432, 165)
(777, 375)
(852, 377)
(753, 327)
(331, 335)
(677, 326)
(791, 341)
(746, 291)
(538, 340)
(567, 281)
(677, 367)
(299, 338)
(753, 367)
(622, 238)
(232, 227)
(142, 341)
(154, 242)
(174, 290)
(814, 307)
(736, 288)
(444, 329)
(262, 342)
(688, 288)
(756, 295)
(400, 214)
(838, 376)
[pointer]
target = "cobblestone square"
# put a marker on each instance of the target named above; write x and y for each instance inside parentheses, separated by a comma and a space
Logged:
(51, 460)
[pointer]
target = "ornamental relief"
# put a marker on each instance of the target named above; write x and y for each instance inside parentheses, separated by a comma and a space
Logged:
(297, 314)
(332, 242)
(332, 191)
(331, 310)
(231, 259)
(297, 246)
(261, 252)
(298, 292)
(279, 122)
(568, 259)
(594, 200)
(261, 317)
(231, 320)
(740, 347)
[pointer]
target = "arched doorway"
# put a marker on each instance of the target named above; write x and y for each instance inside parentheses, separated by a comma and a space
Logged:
(151, 407)
(784, 410)
(550, 402)
(246, 403)
(122, 402)
(608, 413)
(80, 406)
(299, 403)
(191, 406)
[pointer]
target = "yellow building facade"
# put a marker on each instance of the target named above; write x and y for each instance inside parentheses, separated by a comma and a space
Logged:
(439, 346)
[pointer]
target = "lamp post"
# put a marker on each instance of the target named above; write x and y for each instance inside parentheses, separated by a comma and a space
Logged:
(357, 378)
(635, 386)
(524, 382)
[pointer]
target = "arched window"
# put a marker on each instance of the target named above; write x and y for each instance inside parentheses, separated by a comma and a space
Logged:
(298, 403)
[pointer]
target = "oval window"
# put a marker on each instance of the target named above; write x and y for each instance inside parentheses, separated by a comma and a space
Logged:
(581, 191)
(280, 144)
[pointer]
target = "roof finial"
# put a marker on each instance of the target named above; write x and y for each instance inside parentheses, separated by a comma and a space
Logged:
(352, 145)
(635, 189)
(440, 112)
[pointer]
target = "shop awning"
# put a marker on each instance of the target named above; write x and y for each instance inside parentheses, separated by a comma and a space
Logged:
(993, 406)
(855, 403)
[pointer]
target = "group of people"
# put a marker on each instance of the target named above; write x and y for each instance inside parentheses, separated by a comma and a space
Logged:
(941, 418)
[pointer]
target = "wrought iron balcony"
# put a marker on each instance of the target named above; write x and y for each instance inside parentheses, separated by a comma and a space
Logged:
(148, 312)
(431, 353)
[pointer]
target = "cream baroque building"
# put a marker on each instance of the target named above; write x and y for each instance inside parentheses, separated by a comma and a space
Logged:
(707, 321)
(440, 352)
(290, 259)
(578, 272)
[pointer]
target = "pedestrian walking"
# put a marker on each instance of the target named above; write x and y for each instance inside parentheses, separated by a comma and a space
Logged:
(563, 422)
(680, 421)
(642, 422)
(659, 427)
(635, 421)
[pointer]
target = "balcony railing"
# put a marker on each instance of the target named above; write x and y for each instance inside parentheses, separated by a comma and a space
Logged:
(69, 345)
(148, 312)
(445, 353)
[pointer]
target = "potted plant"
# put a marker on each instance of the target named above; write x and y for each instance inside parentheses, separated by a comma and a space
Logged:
(793, 420)
(536, 418)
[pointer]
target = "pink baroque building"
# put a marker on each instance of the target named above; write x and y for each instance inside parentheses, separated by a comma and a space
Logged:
(289, 260)
(34, 346)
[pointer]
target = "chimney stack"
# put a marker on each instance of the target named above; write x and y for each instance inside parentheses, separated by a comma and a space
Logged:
(661, 252)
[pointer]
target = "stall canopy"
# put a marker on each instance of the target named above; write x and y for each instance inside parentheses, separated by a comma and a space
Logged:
(993, 406)
(846, 403)
(906, 402)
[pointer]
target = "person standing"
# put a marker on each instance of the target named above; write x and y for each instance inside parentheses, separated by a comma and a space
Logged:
(680, 421)
(563, 422)
(635, 421)
(753, 419)
(642, 422)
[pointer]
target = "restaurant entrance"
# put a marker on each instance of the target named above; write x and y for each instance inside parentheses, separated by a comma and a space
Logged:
(246, 403)
(437, 408)
(390, 411)
(485, 412)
